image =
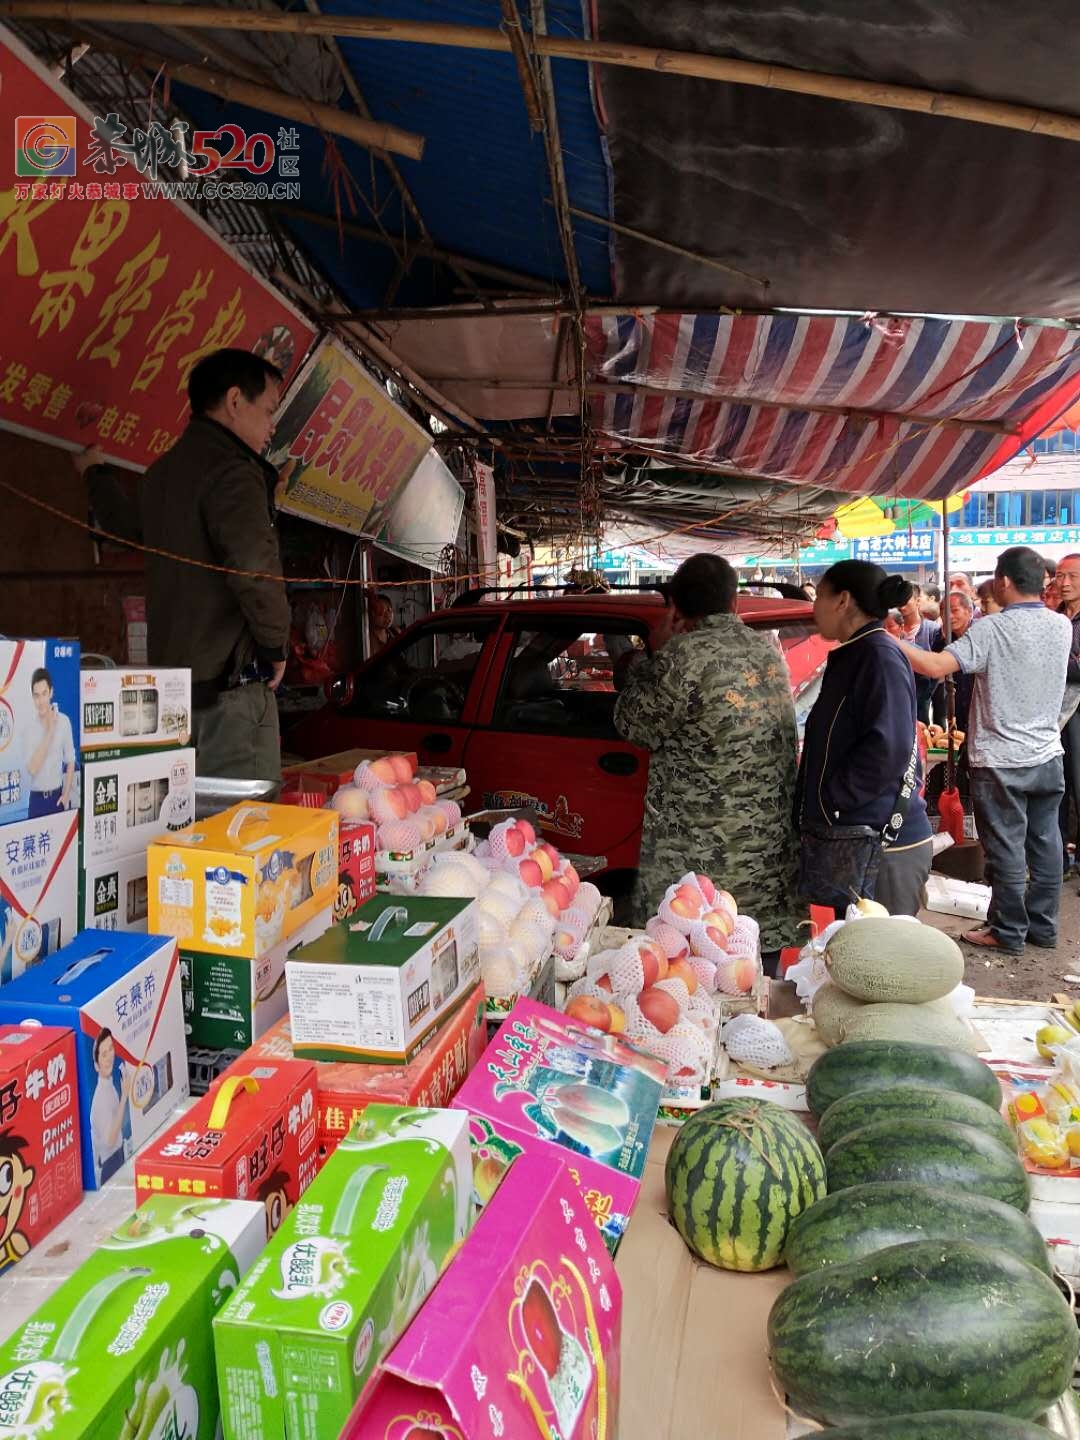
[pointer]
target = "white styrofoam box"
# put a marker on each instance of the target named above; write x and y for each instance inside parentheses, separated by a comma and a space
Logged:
(946, 896)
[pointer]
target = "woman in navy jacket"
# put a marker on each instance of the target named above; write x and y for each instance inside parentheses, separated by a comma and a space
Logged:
(860, 733)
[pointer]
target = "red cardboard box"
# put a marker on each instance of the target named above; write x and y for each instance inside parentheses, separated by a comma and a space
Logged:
(324, 777)
(356, 869)
(40, 1166)
(521, 1335)
(430, 1081)
(253, 1136)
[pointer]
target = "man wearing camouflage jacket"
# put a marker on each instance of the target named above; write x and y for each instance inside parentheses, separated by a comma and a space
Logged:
(713, 706)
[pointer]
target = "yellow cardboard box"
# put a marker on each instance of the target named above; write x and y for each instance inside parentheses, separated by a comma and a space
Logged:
(243, 881)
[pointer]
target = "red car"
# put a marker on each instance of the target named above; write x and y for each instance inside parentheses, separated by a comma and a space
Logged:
(521, 694)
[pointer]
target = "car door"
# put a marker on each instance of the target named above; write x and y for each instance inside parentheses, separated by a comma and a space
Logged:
(421, 694)
(546, 735)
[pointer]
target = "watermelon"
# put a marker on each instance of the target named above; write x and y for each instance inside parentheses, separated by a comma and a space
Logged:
(737, 1174)
(851, 1224)
(930, 1152)
(914, 1102)
(940, 1325)
(942, 1425)
(882, 1064)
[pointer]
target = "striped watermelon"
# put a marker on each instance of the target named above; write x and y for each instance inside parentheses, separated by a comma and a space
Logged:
(738, 1173)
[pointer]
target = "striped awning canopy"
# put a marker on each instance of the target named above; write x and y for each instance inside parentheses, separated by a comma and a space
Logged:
(911, 406)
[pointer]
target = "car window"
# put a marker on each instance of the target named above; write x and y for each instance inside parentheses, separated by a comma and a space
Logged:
(564, 676)
(425, 676)
(804, 653)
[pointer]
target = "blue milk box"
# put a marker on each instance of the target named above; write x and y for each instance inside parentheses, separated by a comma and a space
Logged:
(120, 993)
(39, 728)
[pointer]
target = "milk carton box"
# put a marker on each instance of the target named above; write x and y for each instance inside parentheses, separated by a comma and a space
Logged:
(545, 1082)
(135, 709)
(123, 1349)
(242, 882)
(377, 987)
(112, 896)
(40, 1169)
(120, 994)
(253, 1137)
(342, 1278)
(39, 886)
(131, 799)
(520, 1337)
(39, 728)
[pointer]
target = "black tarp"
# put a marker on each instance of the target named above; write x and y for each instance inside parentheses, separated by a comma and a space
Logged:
(840, 205)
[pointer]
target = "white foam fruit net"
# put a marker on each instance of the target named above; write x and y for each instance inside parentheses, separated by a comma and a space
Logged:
(750, 1040)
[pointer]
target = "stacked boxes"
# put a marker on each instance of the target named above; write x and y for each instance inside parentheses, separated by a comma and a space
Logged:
(39, 800)
(120, 994)
(140, 783)
(239, 891)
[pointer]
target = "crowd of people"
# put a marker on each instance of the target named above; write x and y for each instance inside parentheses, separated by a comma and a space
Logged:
(849, 819)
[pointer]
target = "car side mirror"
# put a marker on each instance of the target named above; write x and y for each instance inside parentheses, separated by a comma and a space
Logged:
(341, 691)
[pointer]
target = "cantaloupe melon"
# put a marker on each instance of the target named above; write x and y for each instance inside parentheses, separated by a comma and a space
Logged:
(918, 1024)
(832, 1008)
(893, 961)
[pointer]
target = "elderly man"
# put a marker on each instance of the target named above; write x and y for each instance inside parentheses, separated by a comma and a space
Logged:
(713, 706)
(961, 613)
(1068, 579)
(922, 633)
(1017, 661)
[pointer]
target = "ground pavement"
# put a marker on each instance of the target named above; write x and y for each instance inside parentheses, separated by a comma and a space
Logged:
(1033, 975)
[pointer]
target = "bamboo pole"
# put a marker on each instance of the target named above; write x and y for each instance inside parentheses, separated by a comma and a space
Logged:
(1001, 113)
(373, 135)
(526, 78)
(990, 427)
(671, 247)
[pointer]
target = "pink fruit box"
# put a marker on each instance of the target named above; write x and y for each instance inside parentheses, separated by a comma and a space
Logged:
(544, 1081)
(519, 1338)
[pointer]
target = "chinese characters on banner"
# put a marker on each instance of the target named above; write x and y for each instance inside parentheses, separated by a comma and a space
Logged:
(109, 303)
(343, 448)
(485, 521)
(903, 547)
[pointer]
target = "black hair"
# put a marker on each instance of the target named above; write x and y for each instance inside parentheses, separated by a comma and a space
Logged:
(1050, 566)
(1024, 567)
(985, 590)
(216, 374)
(932, 592)
(703, 585)
(38, 676)
(12, 1145)
(102, 1036)
(874, 592)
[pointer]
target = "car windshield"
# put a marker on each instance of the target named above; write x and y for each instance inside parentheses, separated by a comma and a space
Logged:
(425, 676)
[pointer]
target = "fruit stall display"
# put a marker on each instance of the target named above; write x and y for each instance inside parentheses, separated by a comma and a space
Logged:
(664, 986)
(923, 1302)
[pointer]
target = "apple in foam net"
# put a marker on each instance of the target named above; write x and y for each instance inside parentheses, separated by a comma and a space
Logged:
(707, 888)
(428, 793)
(718, 920)
(402, 767)
(555, 891)
(688, 902)
(588, 1010)
(514, 841)
(531, 873)
(527, 830)
(654, 962)
(659, 1008)
(682, 970)
(543, 859)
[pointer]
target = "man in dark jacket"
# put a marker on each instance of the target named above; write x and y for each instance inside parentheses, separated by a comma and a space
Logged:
(209, 500)
(1068, 578)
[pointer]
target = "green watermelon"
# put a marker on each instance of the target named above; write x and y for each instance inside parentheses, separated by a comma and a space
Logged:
(881, 1064)
(941, 1325)
(850, 1224)
(914, 1102)
(942, 1425)
(737, 1174)
(930, 1152)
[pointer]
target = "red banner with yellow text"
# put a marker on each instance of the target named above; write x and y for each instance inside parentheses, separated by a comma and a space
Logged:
(110, 297)
(344, 449)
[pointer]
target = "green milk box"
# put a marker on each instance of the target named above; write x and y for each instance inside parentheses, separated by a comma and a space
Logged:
(123, 1350)
(340, 1281)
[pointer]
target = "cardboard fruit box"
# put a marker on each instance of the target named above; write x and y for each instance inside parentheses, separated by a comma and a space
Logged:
(21, 731)
(376, 988)
(253, 1137)
(543, 1081)
(243, 881)
(120, 994)
(130, 800)
(123, 1349)
(344, 1090)
(39, 911)
(40, 1167)
(342, 1278)
(135, 709)
(520, 1337)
